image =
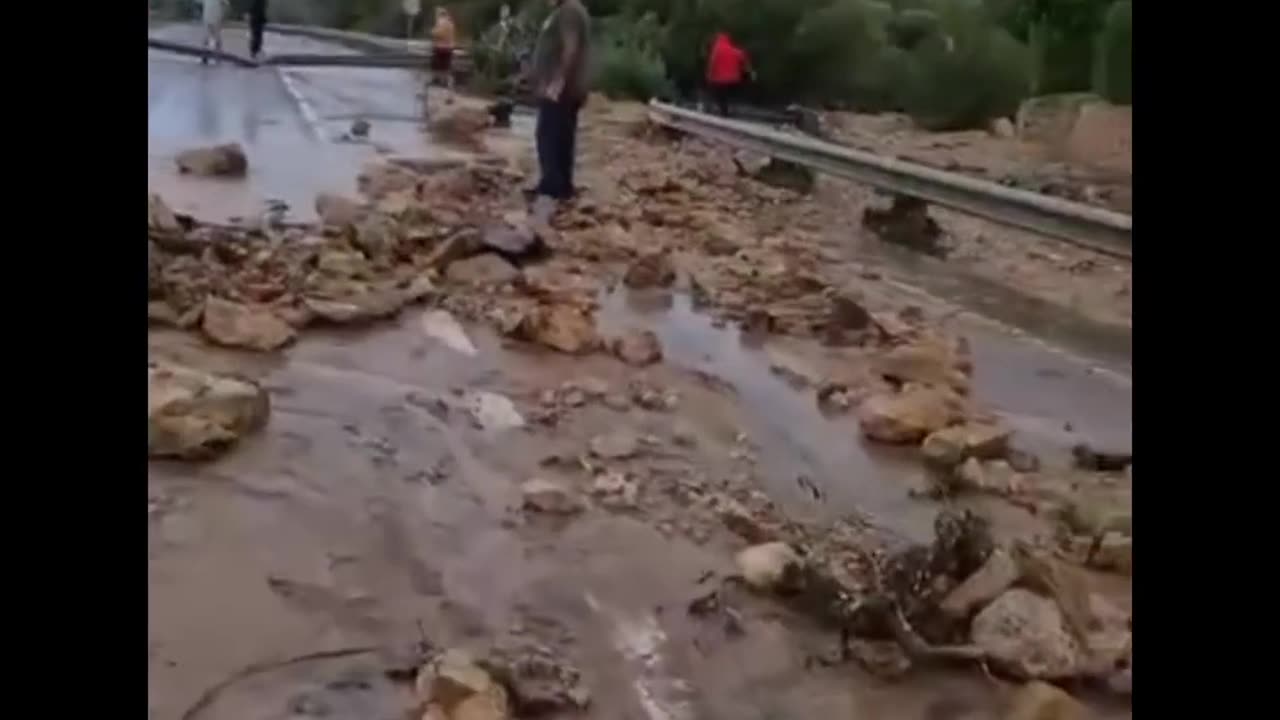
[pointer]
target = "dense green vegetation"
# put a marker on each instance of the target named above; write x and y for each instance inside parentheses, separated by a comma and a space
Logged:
(949, 63)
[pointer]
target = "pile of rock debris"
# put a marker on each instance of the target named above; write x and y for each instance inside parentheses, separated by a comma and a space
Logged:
(455, 235)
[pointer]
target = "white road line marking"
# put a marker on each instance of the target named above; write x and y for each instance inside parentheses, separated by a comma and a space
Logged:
(304, 105)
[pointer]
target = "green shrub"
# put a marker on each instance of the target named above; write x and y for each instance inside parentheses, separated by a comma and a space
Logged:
(968, 74)
(1062, 35)
(631, 71)
(909, 27)
(879, 87)
(1113, 59)
(802, 50)
(833, 50)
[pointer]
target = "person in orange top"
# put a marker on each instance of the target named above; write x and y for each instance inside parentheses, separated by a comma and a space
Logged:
(443, 41)
(726, 68)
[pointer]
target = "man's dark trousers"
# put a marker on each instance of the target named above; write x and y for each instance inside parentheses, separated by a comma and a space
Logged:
(257, 23)
(556, 137)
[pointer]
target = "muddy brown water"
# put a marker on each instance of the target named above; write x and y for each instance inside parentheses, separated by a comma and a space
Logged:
(362, 516)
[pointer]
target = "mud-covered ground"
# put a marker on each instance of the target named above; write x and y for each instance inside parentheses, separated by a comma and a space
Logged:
(1097, 287)
(564, 454)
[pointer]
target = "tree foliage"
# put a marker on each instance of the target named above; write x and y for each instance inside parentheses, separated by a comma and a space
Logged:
(950, 63)
(1113, 62)
(967, 73)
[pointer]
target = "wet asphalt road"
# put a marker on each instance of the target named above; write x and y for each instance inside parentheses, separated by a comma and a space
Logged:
(290, 122)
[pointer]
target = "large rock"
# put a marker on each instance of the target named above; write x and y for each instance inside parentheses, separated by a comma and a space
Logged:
(357, 307)
(192, 414)
(1108, 635)
(483, 269)
(1120, 681)
(1042, 701)
(338, 210)
(461, 125)
(1114, 553)
(375, 235)
(951, 446)
(340, 263)
(997, 574)
(994, 476)
(928, 361)
(909, 416)
(906, 221)
(564, 328)
(377, 180)
(1095, 514)
(638, 348)
(160, 218)
(491, 411)
(155, 272)
(541, 683)
(1003, 128)
(1027, 636)
(884, 658)
(246, 326)
(455, 687)
(1090, 456)
(218, 161)
(765, 567)
(846, 313)
(549, 497)
(651, 270)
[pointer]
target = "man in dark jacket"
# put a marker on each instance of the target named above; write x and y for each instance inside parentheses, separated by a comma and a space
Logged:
(559, 75)
(257, 23)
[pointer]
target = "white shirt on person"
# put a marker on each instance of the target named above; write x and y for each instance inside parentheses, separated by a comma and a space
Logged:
(214, 11)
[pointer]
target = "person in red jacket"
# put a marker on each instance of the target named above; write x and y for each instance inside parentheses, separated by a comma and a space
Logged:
(725, 70)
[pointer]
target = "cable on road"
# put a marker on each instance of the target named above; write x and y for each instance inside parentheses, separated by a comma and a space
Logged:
(200, 52)
(387, 60)
(398, 60)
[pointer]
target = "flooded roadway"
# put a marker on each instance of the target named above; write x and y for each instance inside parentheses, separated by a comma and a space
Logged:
(363, 516)
(359, 516)
(290, 121)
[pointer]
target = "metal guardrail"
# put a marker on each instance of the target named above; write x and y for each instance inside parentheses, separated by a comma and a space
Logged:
(1101, 230)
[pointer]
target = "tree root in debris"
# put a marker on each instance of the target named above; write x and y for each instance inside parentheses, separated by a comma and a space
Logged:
(210, 695)
(919, 650)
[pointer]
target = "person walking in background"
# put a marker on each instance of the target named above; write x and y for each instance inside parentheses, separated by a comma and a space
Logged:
(559, 76)
(412, 9)
(444, 38)
(214, 11)
(257, 24)
(504, 26)
(726, 67)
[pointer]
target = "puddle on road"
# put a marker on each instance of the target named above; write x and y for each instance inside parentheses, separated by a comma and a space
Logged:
(291, 160)
(793, 438)
(1037, 392)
